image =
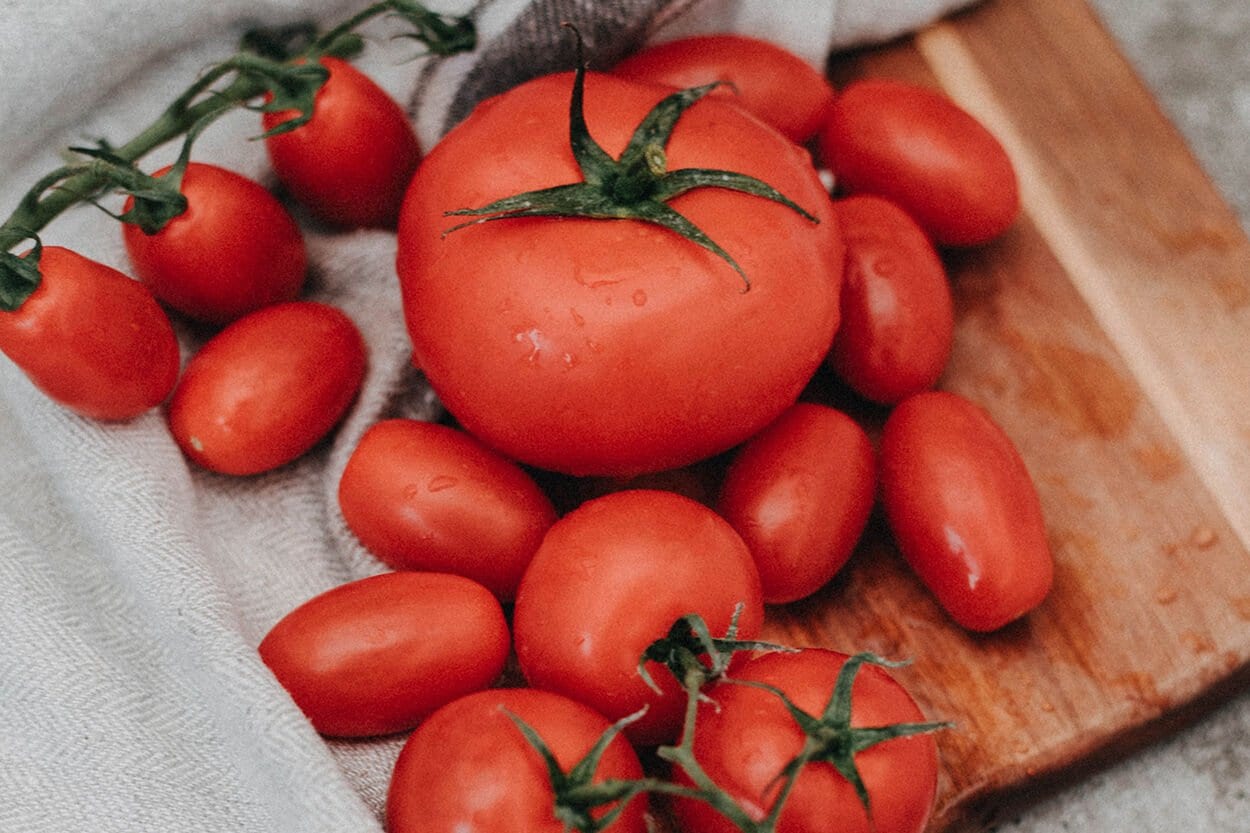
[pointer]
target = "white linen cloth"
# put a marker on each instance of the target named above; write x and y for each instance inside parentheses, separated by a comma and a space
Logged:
(134, 588)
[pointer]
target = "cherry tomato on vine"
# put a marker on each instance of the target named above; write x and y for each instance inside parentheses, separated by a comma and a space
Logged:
(469, 767)
(897, 314)
(616, 346)
(234, 250)
(610, 578)
(745, 737)
(267, 388)
(773, 83)
(424, 496)
(799, 493)
(92, 339)
(964, 510)
(376, 655)
(917, 148)
(351, 162)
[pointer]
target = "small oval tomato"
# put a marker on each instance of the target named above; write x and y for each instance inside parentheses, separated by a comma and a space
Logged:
(745, 737)
(234, 250)
(350, 163)
(799, 493)
(423, 496)
(917, 148)
(776, 85)
(897, 314)
(92, 338)
(268, 387)
(469, 767)
(610, 578)
(616, 346)
(376, 655)
(964, 510)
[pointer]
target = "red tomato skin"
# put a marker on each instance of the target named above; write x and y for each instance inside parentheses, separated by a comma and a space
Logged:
(614, 347)
(234, 250)
(799, 493)
(746, 740)
(610, 578)
(917, 148)
(964, 511)
(424, 496)
(898, 317)
(376, 655)
(92, 339)
(267, 388)
(351, 162)
(776, 85)
(469, 768)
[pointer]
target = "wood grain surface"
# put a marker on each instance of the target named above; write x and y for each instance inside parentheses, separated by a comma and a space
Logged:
(1109, 334)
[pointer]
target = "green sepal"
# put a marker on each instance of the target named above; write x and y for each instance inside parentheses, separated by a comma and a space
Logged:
(157, 200)
(694, 656)
(576, 795)
(638, 185)
(441, 34)
(19, 276)
(279, 43)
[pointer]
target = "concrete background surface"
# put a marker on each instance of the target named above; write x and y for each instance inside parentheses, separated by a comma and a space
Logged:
(1195, 56)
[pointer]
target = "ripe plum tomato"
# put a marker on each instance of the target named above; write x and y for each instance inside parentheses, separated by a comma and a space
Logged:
(799, 493)
(610, 578)
(267, 388)
(746, 737)
(234, 250)
(424, 496)
(350, 163)
(92, 339)
(897, 314)
(469, 767)
(776, 85)
(919, 149)
(615, 347)
(376, 655)
(964, 510)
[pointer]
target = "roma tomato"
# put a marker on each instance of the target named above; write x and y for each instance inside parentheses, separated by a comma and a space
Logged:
(773, 83)
(267, 388)
(745, 738)
(964, 510)
(610, 578)
(469, 767)
(234, 250)
(616, 346)
(799, 493)
(423, 496)
(92, 338)
(376, 655)
(350, 163)
(919, 149)
(897, 314)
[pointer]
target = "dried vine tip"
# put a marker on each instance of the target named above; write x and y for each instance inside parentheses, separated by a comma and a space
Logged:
(638, 185)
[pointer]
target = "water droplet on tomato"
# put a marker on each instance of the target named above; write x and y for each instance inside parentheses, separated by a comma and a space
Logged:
(640, 298)
(441, 482)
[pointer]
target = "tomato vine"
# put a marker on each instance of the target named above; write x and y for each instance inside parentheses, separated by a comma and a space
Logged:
(274, 71)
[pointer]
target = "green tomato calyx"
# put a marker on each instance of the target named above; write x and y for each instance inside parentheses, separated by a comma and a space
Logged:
(638, 185)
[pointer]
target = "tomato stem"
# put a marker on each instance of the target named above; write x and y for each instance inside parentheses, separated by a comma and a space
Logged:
(290, 83)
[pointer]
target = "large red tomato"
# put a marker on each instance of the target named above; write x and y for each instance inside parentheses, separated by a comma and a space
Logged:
(92, 338)
(350, 163)
(376, 655)
(613, 347)
(745, 737)
(612, 577)
(234, 250)
(470, 768)
(964, 510)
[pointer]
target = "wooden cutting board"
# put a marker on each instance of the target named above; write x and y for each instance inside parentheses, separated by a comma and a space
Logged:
(1109, 334)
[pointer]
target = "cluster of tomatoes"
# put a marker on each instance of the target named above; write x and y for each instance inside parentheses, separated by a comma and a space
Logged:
(564, 341)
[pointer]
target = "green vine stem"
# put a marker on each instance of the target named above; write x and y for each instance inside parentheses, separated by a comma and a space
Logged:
(247, 79)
